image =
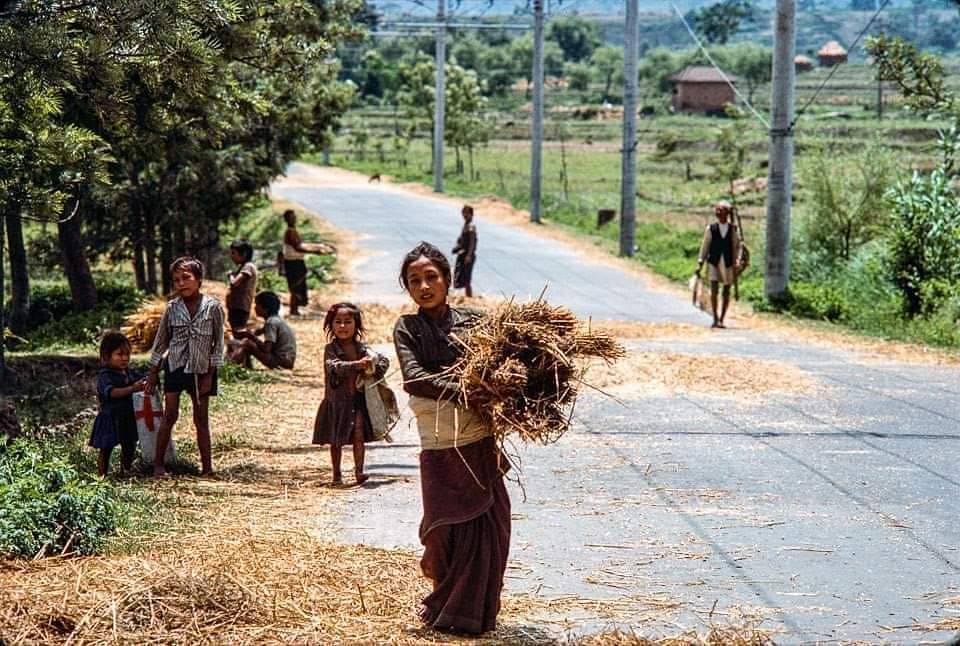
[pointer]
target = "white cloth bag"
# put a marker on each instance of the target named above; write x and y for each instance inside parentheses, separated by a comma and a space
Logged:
(148, 412)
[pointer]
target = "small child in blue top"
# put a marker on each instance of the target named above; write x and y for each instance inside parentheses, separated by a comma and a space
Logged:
(116, 423)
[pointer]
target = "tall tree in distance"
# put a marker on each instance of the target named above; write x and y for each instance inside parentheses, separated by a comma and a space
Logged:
(719, 22)
(576, 37)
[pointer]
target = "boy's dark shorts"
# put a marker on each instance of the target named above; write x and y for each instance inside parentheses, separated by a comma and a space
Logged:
(178, 381)
(238, 318)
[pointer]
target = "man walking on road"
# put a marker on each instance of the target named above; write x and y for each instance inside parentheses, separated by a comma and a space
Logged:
(466, 252)
(721, 249)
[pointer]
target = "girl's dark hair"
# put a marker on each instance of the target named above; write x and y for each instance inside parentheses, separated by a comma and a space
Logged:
(332, 313)
(269, 301)
(188, 264)
(429, 252)
(467, 209)
(244, 248)
(110, 342)
(288, 213)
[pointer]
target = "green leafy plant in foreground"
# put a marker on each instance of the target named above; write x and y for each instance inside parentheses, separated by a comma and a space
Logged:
(48, 507)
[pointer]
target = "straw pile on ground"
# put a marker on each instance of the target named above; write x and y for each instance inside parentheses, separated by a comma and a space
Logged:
(228, 585)
(141, 326)
(717, 636)
(522, 359)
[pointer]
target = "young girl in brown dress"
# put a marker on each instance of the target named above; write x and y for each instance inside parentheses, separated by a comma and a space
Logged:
(342, 418)
(465, 528)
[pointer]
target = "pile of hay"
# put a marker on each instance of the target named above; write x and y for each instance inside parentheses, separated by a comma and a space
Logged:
(141, 326)
(747, 635)
(521, 358)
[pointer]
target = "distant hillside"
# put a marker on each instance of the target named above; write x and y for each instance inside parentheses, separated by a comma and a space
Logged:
(932, 24)
(399, 8)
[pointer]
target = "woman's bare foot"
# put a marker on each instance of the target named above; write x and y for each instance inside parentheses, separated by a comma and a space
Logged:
(160, 472)
(337, 480)
(361, 477)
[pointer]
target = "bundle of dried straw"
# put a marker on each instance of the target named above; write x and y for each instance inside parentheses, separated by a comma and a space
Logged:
(521, 358)
(141, 326)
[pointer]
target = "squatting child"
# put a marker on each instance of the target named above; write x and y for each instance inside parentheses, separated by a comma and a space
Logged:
(279, 346)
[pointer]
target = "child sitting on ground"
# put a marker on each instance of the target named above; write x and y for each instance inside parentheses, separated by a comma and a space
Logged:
(116, 423)
(343, 417)
(279, 346)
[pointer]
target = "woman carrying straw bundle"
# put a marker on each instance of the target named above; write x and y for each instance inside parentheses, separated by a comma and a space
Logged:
(465, 528)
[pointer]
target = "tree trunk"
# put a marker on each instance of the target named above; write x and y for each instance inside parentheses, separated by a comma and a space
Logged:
(137, 228)
(139, 265)
(150, 246)
(179, 239)
(19, 277)
(166, 255)
(3, 324)
(75, 265)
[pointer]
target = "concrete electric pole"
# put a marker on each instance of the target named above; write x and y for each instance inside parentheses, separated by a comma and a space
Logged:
(780, 173)
(536, 128)
(438, 99)
(628, 171)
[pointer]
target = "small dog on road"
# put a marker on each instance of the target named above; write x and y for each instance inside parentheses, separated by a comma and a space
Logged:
(374, 178)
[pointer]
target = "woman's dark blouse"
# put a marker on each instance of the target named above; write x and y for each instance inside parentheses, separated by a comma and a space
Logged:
(427, 346)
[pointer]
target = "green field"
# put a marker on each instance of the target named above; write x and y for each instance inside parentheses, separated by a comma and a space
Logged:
(683, 167)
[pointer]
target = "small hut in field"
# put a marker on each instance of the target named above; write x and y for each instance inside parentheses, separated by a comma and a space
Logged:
(700, 88)
(832, 54)
(802, 63)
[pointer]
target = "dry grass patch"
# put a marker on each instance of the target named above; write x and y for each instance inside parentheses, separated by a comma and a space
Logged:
(715, 636)
(228, 585)
(648, 331)
(658, 373)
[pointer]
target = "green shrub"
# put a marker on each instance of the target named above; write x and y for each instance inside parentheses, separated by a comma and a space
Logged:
(47, 506)
(924, 237)
(817, 301)
(805, 300)
(847, 204)
(53, 323)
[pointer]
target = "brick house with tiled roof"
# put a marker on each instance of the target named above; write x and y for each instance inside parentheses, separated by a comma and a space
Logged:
(700, 88)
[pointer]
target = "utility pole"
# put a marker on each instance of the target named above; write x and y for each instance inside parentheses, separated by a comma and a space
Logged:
(628, 171)
(438, 99)
(780, 173)
(536, 135)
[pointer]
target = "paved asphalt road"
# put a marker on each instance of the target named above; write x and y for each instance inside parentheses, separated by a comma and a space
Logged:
(830, 517)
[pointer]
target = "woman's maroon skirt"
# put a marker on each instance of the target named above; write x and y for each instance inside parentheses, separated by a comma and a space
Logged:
(466, 535)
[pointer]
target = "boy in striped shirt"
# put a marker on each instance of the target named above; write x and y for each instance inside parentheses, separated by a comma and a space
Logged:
(191, 337)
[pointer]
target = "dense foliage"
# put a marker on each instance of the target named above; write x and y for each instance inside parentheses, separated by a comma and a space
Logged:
(48, 507)
(144, 125)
